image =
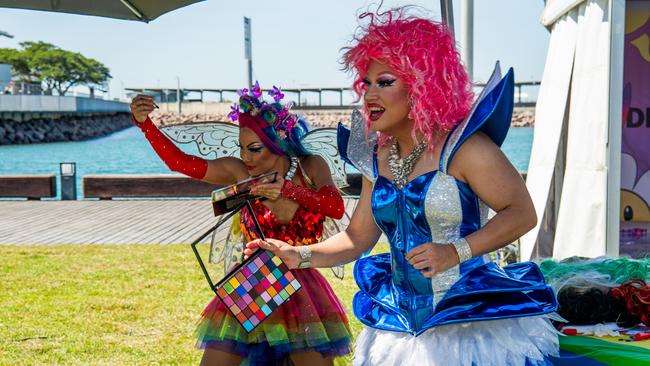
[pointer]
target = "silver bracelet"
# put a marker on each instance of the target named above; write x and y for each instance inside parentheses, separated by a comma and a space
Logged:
(463, 250)
(305, 256)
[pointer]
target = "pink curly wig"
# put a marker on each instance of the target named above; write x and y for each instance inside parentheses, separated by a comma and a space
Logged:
(424, 56)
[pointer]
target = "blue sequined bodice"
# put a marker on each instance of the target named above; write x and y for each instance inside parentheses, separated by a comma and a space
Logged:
(433, 207)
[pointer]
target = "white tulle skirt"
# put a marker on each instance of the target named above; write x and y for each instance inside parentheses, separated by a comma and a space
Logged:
(501, 342)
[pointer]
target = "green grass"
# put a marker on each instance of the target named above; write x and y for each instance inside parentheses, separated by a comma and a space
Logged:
(107, 304)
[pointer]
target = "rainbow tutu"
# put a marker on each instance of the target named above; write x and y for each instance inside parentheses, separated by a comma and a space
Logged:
(312, 320)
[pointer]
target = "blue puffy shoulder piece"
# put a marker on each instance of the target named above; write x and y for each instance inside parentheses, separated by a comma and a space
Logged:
(342, 139)
(491, 114)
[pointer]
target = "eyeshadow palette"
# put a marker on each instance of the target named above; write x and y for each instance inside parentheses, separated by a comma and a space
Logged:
(256, 287)
(231, 197)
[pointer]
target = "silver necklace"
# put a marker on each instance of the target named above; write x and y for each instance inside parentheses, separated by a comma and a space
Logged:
(402, 168)
(292, 168)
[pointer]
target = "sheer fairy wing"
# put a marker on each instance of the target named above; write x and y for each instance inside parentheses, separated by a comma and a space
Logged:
(217, 138)
(358, 145)
(332, 227)
(227, 245)
(338, 271)
(322, 141)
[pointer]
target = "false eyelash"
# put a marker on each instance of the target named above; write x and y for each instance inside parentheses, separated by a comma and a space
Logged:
(385, 83)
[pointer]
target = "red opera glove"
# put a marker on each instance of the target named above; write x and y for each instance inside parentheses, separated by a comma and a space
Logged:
(171, 155)
(327, 200)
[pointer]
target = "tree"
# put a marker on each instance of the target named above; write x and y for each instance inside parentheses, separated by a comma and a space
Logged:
(58, 69)
(17, 61)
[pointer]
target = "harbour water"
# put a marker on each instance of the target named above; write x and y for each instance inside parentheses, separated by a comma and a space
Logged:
(127, 152)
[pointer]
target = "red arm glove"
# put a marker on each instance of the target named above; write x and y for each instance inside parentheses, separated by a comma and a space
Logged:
(326, 200)
(175, 158)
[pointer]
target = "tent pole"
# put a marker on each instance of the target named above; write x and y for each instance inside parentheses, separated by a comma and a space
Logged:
(447, 11)
(615, 131)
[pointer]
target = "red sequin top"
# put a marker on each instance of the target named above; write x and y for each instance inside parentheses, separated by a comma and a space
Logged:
(306, 227)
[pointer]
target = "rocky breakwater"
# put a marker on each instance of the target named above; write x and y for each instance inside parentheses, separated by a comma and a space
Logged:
(62, 128)
(316, 119)
(521, 117)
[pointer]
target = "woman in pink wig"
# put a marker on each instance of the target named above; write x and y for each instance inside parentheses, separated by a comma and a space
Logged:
(432, 167)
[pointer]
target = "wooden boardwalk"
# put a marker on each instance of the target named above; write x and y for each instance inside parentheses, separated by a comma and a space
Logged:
(104, 222)
(107, 222)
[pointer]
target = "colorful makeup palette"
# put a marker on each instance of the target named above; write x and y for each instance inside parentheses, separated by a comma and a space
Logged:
(256, 287)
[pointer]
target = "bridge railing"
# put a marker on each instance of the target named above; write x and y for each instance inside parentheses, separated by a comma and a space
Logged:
(303, 97)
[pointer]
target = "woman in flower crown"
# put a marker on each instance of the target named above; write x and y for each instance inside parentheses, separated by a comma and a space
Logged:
(312, 327)
(432, 167)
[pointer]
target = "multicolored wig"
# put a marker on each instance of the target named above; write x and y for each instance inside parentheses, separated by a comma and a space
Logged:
(278, 129)
(423, 54)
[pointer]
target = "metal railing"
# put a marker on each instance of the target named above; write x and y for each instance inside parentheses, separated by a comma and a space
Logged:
(52, 103)
(301, 96)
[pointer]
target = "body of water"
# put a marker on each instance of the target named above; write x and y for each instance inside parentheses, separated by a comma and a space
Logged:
(128, 152)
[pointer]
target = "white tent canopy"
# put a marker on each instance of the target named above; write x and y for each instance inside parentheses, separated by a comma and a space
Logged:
(574, 171)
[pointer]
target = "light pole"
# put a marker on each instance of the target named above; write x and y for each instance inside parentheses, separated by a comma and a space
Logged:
(447, 12)
(467, 35)
(179, 95)
(248, 49)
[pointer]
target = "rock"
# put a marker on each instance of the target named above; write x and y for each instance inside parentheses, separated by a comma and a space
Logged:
(521, 117)
(65, 128)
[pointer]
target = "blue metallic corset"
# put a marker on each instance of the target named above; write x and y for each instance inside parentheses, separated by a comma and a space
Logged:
(405, 231)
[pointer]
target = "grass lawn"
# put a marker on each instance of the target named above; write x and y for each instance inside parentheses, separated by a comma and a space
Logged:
(107, 304)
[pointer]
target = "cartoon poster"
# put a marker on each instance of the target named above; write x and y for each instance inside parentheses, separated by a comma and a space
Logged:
(635, 157)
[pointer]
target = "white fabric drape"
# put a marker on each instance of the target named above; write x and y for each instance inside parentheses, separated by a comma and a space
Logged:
(556, 9)
(581, 227)
(579, 55)
(549, 116)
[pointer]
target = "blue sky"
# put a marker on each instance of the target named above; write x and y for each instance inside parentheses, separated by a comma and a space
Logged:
(296, 43)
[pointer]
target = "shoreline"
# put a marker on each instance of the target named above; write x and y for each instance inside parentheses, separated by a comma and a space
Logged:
(521, 117)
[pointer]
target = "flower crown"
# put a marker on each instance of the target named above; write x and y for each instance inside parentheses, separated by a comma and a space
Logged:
(275, 114)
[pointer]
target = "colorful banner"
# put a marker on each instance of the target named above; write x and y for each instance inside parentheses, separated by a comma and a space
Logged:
(635, 157)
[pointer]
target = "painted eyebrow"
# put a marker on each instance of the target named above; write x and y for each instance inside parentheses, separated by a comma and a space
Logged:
(386, 74)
